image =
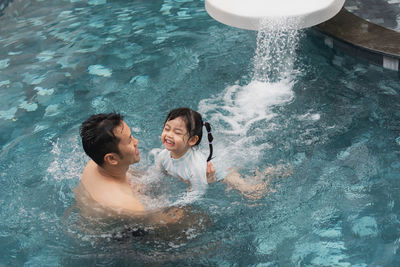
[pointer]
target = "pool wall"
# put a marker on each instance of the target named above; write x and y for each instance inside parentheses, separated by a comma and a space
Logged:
(362, 39)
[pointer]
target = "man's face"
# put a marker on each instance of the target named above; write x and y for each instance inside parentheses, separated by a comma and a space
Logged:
(128, 145)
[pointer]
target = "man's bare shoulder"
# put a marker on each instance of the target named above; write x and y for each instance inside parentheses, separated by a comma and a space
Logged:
(108, 193)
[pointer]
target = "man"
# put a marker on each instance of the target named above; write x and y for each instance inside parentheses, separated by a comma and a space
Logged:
(108, 141)
(104, 184)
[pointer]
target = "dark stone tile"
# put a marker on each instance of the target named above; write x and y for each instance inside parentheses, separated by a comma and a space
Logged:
(381, 12)
(360, 38)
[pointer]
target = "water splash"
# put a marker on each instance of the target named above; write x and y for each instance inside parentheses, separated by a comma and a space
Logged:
(276, 50)
(158, 187)
(241, 115)
(64, 166)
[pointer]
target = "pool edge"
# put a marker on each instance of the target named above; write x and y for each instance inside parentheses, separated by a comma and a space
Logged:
(360, 38)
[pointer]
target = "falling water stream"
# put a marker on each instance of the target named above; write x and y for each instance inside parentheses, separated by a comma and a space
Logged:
(275, 53)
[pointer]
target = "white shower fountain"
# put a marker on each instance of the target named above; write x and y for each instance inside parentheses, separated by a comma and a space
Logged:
(252, 14)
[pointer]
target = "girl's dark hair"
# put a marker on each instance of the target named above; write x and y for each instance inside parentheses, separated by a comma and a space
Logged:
(194, 125)
(98, 138)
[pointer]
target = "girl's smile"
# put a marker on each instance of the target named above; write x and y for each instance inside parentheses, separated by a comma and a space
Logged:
(169, 143)
(175, 137)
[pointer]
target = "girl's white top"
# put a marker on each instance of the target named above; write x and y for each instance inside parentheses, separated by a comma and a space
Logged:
(190, 167)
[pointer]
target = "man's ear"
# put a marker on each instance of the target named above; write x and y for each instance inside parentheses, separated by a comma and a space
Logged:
(193, 140)
(111, 159)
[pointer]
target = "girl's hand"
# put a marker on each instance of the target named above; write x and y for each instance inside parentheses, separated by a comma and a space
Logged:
(211, 178)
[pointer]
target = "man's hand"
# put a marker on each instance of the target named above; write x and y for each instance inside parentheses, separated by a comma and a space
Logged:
(211, 178)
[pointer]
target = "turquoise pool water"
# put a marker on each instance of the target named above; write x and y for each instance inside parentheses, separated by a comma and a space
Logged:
(334, 119)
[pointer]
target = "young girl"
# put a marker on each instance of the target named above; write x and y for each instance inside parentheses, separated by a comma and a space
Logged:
(182, 133)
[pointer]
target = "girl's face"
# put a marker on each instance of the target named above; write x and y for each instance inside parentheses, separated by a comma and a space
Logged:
(175, 137)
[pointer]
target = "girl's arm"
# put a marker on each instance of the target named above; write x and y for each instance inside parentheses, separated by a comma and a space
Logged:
(210, 172)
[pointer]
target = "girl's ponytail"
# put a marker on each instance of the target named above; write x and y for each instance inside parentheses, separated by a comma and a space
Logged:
(210, 139)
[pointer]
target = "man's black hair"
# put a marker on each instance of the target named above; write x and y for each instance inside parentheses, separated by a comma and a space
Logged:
(98, 138)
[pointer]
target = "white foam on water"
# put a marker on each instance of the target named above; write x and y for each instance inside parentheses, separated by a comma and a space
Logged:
(309, 117)
(188, 198)
(241, 106)
(147, 180)
(236, 112)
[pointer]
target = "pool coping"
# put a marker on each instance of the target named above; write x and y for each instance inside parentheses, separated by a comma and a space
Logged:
(363, 39)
